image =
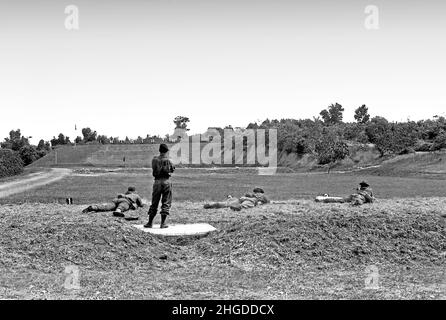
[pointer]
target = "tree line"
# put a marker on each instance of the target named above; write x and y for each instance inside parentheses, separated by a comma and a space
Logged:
(327, 136)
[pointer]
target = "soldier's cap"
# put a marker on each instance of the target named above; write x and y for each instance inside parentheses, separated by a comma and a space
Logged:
(258, 190)
(163, 148)
(131, 189)
(364, 184)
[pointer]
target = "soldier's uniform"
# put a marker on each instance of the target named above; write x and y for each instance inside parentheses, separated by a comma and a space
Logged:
(162, 168)
(250, 200)
(363, 195)
(121, 204)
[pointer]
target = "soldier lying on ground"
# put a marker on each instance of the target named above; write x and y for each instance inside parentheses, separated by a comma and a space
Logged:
(122, 203)
(364, 194)
(250, 200)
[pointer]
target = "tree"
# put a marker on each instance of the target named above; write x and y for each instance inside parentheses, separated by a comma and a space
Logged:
(362, 114)
(28, 154)
(89, 135)
(10, 163)
(404, 137)
(41, 145)
(330, 149)
(379, 133)
(181, 122)
(139, 140)
(439, 142)
(116, 140)
(332, 115)
(15, 141)
(43, 148)
(103, 139)
(61, 140)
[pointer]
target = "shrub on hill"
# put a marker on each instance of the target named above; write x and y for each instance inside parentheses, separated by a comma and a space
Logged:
(439, 142)
(29, 154)
(10, 163)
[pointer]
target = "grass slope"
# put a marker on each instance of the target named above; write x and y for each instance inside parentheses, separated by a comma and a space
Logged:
(100, 155)
(425, 164)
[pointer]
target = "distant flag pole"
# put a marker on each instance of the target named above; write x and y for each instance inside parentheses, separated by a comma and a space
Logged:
(75, 129)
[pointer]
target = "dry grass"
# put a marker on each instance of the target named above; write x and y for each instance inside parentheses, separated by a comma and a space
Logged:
(296, 250)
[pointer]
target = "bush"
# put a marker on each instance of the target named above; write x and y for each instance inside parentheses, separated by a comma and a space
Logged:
(407, 150)
(28, 154)
(10, 163)
(439, 142)
(423, 147)
(331, 149)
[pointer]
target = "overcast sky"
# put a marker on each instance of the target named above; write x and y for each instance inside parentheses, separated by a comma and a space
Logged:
(134, 65)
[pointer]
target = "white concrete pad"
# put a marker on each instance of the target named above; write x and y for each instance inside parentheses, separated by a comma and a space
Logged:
(178, 229)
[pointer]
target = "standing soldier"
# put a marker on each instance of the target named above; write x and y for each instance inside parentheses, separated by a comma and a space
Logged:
(162, 168)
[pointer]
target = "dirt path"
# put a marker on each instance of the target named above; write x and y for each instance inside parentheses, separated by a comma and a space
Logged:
(32, 181)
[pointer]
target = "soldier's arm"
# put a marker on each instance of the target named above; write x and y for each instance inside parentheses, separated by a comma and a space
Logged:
(172, 167)
(154, 166)
(266, 199)
(139, 202)
(368, 197)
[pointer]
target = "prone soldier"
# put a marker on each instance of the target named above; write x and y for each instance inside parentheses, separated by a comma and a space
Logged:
(249, 200)
(364, 194)
(119, 205)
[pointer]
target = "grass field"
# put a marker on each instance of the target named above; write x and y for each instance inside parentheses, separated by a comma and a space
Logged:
(98, 185)
(295, 250)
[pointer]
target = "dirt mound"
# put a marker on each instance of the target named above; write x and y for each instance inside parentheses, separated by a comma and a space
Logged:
(51, 236)
(338, 236)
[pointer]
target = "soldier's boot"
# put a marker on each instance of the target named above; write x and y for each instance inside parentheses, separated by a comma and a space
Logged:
(88, 209)
(163, 221)
(149, 224)
(118, 213)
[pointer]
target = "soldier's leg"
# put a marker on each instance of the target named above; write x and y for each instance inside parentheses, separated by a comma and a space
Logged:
(216, 205)
(334, 200)
(166, 202)
(236, 206)
(156, 196)
(103, 207)
(223, 204)
(123, 206)
(247, 204)
(357, 200)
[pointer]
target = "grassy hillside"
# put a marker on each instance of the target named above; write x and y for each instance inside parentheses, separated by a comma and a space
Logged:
(360, 156)
(136, 155)
(424, 164)
(421, 164)
(140, 155)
